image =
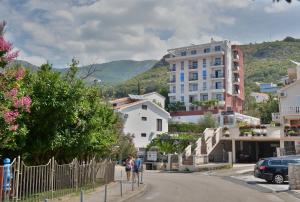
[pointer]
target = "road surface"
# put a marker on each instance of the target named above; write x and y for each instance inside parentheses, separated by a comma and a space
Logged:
(198, 187)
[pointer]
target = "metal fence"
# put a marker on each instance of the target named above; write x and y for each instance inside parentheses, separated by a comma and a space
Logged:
(21, 182)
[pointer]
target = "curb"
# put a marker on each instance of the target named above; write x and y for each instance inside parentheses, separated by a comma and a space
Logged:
(294, 193)
(134, 194)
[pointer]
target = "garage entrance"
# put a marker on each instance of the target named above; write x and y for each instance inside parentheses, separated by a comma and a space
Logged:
(252, 151)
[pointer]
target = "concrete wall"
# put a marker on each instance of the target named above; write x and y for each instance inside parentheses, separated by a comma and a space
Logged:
(294, 176)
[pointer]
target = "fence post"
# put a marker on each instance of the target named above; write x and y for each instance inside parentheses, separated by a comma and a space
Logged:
(142, 170)
(105, 193)
(81, 196)
(18, 177)
(121, 188)
(52, 176)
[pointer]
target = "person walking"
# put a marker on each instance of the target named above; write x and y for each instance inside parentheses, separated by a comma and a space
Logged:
(136, 167)
(128, 167)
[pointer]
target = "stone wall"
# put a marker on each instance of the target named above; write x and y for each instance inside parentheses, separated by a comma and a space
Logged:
(294, 176)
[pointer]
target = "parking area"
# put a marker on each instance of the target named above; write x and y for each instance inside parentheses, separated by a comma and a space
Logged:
(261, 184)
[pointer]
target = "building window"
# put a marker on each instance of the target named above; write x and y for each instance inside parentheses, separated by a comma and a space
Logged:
(195, 64)
(204, 86)
(183, 53)
(182, 88)
(144, 118)
(206, 50)
(182, 98)
(143, 135)
(204, 63)
(217, 61)
(174, 67)
(204, 97)
(193, 87)
(219, 97)
(217, 48)
(144, 107)
(182, 65)
(219, 85)
(182, 77)
(158, 124)
(193, 52)
(173, 89)
(204, 74)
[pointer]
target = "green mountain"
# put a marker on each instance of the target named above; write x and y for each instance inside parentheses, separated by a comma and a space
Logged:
(264, 62)
(109, 73)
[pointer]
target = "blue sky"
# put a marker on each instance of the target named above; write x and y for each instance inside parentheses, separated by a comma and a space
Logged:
(96, 31)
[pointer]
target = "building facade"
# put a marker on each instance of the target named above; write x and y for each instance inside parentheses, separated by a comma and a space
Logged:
(144, 117)
(260, 97)
(212, 71)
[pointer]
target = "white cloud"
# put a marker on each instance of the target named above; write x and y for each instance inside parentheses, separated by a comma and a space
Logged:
(98, 31)
(279, 7)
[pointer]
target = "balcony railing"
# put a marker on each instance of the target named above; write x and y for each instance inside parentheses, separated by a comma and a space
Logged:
(219, 87)
(236, 80)
(193, 89)
(216, 63)
(193, 66)
(172, 80)
(193, 78)
(291, 110)
(172, 69)
(220, 75)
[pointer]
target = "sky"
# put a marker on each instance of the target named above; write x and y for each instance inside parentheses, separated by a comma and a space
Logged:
(97, 31)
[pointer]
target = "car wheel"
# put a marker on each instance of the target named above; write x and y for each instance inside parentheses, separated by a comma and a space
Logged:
(278, 179)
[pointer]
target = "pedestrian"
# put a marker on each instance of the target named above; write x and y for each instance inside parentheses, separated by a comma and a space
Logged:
(128, 167)
(136, 167)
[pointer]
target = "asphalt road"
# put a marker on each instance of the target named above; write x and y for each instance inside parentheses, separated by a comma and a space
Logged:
(182, 187)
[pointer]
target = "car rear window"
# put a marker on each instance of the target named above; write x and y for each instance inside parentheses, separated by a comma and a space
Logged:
(275, 162)
(261, 162)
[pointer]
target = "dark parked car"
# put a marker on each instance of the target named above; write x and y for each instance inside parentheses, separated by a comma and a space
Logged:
(274, 169)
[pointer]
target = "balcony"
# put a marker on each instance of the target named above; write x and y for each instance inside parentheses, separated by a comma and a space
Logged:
(236, 92)
(236, 80)
(291, 110)
(219, 89)
(193, 67)
(293, 131)
(236, 68)
(172, 69)
(216, 64)
(177, 56)
(193, 79)
(172, 80)
(236, 56)
(218, 76)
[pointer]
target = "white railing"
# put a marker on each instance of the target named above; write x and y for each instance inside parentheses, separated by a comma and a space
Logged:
(291, 110)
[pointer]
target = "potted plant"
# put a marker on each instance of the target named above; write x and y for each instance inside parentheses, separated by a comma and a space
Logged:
(292, 133)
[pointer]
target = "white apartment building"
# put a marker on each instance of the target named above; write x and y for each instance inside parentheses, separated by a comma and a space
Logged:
(144, 117)
(205, 72)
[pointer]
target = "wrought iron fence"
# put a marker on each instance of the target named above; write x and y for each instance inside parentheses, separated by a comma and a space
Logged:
(21, 182)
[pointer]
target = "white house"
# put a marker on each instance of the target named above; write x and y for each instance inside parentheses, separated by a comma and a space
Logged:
(144, 117)
(260, 97)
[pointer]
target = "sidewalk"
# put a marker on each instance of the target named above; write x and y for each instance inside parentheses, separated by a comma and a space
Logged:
(113, 191)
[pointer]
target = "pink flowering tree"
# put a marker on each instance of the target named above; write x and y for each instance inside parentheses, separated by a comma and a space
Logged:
(14, 102)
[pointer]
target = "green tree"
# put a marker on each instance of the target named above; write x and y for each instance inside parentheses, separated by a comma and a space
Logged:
(68, 119)
(267, 108)
(208, 121)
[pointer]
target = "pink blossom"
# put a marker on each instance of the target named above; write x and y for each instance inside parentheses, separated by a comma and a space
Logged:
(10, 116)
(23, 102)
(14, 127)
(20, 74)
(13, 92)
(7, 48)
